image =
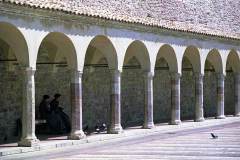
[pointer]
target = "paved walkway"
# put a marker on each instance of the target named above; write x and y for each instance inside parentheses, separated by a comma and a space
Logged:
(190, 140)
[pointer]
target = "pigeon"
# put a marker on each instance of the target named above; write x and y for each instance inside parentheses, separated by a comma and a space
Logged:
(101, 128)
(214, 136)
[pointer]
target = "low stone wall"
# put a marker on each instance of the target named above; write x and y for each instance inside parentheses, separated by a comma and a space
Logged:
(11, 104)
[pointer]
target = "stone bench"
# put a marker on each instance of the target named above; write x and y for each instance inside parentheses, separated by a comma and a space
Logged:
(40, 121)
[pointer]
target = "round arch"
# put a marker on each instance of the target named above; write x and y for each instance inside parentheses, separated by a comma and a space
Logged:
(101, 46)
(16, 40)
(215, 59)
(230, 85)
(61, 44)
(139, 50)
(233, 61)
(168, 53)
(193, 55)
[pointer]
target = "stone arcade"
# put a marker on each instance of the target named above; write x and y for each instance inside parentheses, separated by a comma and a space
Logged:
(122, 65)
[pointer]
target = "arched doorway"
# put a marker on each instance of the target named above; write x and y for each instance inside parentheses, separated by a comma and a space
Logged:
(231, 83)
(191, 77)
(166, 63)
(56, 63)
(213, 85)
(13, 60)
(100, 65)
(136, 66)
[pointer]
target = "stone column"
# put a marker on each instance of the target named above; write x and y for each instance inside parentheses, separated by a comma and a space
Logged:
(28, 138)
(199, 97)
(175, 99)
(148, 104)
(220, 96)
(237, 94)
(76, 104)
(115, 103)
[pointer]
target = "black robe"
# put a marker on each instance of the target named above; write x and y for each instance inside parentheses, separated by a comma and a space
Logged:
(44, 109)
(59, 121)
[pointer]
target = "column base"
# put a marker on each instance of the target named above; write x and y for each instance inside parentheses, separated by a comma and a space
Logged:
(199, 119)
(28, 142)
(237, 115)
(115, 130)
(77, 135)
(148, 125)
(221, 117)
(175, 122)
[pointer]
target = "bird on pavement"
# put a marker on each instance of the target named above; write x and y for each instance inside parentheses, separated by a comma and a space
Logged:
(100, 128)
(214, 136)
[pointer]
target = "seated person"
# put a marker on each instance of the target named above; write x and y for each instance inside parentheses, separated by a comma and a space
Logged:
(59, 121)
(44, 107)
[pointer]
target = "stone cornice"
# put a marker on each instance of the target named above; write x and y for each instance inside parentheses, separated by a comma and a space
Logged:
(28, 13)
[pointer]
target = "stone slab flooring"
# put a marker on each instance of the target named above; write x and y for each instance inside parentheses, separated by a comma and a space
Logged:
(190, 141)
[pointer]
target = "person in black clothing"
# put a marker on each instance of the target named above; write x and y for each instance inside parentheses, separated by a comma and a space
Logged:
(44, 107)
(59, 121)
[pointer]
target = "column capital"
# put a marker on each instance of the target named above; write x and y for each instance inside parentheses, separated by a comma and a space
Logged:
(115, 71)
(28, 70)
(220, 76)
(148, 75)
(76, 75)
(175, 75)
(198, 75)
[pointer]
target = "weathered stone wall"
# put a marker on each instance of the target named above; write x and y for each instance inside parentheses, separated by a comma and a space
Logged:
(210, 94)
(187, 97)
(96, 95)
(11, 103)
(51, 82)
(132, 101)
(161, 96)
(51, 79)
(229, 94)
(11, 97)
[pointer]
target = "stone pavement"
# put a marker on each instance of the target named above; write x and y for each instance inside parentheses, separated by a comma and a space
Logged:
(190, 140)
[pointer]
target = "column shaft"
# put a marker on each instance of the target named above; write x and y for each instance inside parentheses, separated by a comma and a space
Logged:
(199, 97)
(220, 96)
(148, 96)
(28, 113)
(175, 98)
(115, 103)
(237, 94)
(76, 104)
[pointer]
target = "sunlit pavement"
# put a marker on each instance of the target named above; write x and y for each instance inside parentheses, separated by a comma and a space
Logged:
(188, 143)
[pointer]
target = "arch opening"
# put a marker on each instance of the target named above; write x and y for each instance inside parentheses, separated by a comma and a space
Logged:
(13, 57)
(136, 64)
(166, 63)
(56, 60)
(100, 60)
(232, 69)
(191, 65)
(162, 92)
(213, 66)
(187, 96)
